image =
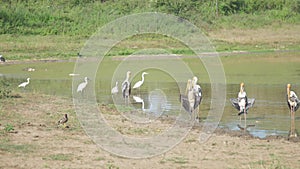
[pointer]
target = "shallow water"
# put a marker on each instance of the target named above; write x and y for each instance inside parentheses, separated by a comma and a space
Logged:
(270, 113)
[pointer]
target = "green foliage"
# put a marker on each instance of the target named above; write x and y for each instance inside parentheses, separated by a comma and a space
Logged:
(9, 128)
(5, 90)
(83, 17)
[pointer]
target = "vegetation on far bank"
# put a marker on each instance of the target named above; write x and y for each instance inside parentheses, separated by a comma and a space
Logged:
(59, 29)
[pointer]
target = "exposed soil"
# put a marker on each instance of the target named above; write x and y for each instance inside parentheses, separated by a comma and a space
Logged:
(37, 142)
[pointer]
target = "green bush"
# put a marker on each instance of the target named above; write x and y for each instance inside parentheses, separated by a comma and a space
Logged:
(9, 128)
(83, 17)
(5, 90)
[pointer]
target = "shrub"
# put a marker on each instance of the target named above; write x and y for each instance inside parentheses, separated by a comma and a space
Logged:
(5, 90)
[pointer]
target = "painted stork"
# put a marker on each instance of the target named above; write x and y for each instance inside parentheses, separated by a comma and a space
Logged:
(2, 59)
(126, 87)
(292, 100)
(242, 103)
(192, 98)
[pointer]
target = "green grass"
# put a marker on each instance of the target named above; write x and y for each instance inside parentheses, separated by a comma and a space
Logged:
(59, 157)
(6, 146)
(178, 160)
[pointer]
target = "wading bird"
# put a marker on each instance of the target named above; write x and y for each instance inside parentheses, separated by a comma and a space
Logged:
(115, 89)
(140, 83)
(2, 59)
(192, 98)
(126, 87)
(24, 84)
(197, 91)
(63, 120)
(82, 85)
(292, 100)
(242, 103)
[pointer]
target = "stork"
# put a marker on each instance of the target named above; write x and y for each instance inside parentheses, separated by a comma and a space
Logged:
(126, 87)
(292, 100)
(192, 98)
(242, 103)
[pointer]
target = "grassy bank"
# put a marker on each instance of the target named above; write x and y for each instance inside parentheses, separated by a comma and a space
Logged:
(58, 29)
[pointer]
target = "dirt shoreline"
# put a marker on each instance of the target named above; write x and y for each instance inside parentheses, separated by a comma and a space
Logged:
(37, 142)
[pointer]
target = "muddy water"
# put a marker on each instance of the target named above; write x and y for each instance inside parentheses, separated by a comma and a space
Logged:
(269, 116)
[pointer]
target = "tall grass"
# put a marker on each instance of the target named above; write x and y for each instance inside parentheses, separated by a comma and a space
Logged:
(63, 26)
(82, 17)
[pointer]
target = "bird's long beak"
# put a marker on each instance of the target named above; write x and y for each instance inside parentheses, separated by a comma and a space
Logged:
(288, 89)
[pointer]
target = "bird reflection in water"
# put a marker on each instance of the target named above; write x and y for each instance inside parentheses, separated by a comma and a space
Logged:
(156, 101)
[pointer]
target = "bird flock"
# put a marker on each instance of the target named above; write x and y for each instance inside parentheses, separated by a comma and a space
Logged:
(191, 99)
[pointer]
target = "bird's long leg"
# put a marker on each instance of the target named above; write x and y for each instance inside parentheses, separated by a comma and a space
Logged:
(240, 119)
(198, 113)
(245, 118)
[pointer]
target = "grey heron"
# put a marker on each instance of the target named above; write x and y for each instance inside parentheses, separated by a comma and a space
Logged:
(126, 87)
(24, 84)
(140, 83)
(115, 89)
(242, 103)
(82, 85)
(63, 120)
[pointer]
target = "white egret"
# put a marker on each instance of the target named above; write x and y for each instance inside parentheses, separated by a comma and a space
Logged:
(24, 84)
(140, 83)
(82, 85)
(126, 87)
(115, 89)
(242, 103)
(63, 120)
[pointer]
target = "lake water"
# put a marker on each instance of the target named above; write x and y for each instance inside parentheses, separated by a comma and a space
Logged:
(270, 113)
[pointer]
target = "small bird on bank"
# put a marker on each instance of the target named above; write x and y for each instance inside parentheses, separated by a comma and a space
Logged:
(63, 120)
(24, 84)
